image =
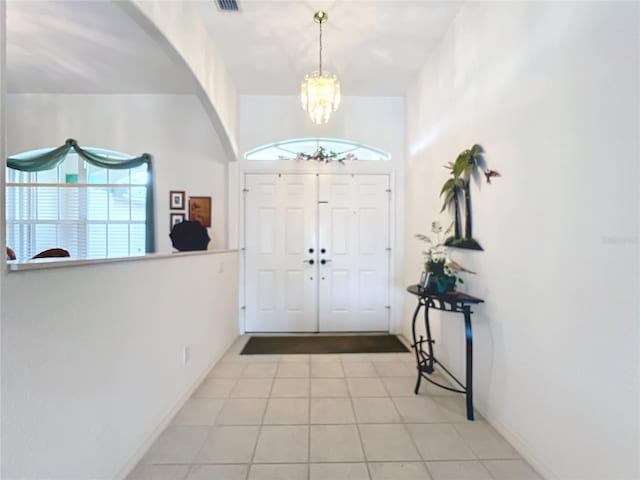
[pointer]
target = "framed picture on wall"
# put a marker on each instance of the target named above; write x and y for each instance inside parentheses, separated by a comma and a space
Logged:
(176, 200)
(200, 210)
(175, 219)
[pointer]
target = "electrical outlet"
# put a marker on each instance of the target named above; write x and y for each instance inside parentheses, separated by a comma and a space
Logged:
(221, 267)
(186, 354)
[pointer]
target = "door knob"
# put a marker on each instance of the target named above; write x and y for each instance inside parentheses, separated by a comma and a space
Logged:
(311, 250)
(310, 262)
(323, 250)
(323, 261)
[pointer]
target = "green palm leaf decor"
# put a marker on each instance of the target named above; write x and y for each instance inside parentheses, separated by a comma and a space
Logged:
(465, 167)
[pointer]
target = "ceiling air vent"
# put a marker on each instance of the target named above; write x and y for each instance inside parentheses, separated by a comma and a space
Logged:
(227, 5)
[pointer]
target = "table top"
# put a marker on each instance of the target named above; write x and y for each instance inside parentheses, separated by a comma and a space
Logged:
(449, 297)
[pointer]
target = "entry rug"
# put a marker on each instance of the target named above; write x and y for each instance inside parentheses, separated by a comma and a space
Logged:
(272, 345)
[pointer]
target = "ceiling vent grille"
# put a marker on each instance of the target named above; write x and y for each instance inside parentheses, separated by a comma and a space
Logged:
(228, 5)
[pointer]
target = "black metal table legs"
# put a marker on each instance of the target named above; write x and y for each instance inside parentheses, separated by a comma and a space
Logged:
(425, 360)
(469, 380)
(415, 346)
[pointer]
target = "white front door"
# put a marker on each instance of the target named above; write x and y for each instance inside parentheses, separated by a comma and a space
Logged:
(354, 253)
(280, 229)
(317, 256)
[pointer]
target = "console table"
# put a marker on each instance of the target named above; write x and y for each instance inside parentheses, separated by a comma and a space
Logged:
(455, 302)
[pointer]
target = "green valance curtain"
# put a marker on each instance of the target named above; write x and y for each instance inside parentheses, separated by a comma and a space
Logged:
(51, 159)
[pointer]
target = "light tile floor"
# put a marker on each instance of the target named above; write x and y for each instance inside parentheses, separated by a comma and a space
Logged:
(326, 417)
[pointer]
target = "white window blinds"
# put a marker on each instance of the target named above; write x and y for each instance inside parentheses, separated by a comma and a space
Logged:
(92, 212)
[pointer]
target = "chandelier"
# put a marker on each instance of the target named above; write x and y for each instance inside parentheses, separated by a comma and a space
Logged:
(320, 91)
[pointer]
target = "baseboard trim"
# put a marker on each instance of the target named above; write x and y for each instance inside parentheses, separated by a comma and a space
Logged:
(521, 446)
(404, 340)
(166, 420)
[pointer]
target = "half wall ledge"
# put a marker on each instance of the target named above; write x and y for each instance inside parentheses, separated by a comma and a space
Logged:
(48, 263)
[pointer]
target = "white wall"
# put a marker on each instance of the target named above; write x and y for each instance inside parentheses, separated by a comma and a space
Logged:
(373, 121)
(175, 129)
(180, 23)
(92, 358)
(551, 90)
(92, 355)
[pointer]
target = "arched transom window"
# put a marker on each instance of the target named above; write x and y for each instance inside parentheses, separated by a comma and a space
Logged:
(309, 147)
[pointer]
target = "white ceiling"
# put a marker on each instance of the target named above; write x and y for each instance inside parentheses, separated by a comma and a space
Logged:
(375, 48)
(85, 47)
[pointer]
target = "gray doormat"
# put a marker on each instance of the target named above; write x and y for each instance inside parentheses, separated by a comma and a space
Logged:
(323, 344)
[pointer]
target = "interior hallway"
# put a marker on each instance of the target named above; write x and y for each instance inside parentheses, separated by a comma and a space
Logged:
(326, 417)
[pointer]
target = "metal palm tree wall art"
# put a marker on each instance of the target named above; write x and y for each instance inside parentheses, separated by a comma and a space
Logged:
(468, 163)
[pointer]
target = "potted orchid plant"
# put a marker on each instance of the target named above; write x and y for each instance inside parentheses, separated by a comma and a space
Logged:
(440, 269)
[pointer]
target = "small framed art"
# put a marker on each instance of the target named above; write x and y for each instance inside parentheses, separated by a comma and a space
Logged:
(176, 200)
(200, 210)
(176, 218)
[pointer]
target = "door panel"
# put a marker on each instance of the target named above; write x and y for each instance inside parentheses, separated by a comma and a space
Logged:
(354, 231)
(339, 223)
(280, 228)
(266, 294)
(265, 230)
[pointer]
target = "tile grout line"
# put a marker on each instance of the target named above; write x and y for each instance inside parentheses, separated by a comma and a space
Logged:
(364, 453)
(415, 445)
(189, 468)
(466, 460)
(255, 447)
(211, 427)
(309, 425)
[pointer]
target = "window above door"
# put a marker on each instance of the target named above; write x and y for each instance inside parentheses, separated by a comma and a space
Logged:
(289, 150)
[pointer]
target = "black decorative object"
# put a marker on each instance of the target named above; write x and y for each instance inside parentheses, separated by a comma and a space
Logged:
(188, 236)
(455, 302)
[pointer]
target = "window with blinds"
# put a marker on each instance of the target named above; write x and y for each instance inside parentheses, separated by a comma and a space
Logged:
(92, 212)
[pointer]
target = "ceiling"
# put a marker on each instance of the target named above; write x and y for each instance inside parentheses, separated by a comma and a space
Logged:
(85, 47)
(375, 48)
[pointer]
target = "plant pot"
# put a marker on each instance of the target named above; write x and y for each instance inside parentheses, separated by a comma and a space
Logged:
(441, 284)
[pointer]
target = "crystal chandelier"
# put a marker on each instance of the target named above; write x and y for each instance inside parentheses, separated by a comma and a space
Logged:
(320, 91)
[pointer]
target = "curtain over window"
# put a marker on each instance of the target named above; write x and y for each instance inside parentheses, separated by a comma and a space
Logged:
(93, 202)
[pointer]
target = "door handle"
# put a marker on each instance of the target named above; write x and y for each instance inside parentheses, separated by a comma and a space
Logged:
(310, 262)
(323, 261)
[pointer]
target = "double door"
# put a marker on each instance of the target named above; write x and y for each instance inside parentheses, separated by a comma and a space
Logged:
(316, 253)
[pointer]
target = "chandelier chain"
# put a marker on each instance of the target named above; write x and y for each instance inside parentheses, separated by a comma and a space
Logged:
(320, 48)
